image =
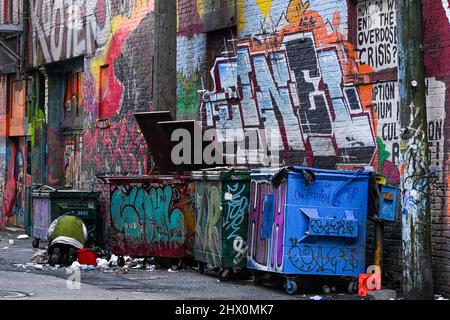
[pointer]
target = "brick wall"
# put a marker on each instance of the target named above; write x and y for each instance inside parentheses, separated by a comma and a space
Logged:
(437, 57)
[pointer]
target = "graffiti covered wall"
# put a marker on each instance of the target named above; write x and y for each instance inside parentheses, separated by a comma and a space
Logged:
(195, 19)
(116, 38)
(14, 192)
(118, 82)
(436, 15)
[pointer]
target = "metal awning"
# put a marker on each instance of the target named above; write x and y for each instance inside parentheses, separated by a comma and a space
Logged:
(157, 129)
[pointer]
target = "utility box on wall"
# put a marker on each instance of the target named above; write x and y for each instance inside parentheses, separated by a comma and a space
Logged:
(389, 203)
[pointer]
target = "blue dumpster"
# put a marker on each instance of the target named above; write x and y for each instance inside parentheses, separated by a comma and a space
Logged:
(306, 221)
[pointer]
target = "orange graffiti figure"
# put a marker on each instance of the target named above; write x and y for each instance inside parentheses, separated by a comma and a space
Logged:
(295, 10)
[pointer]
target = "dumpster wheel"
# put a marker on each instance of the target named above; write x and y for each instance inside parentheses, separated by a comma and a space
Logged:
(201, 268)
(121, 261)
(290, 286)
(225, 274)
(36, 243)
(257, 278)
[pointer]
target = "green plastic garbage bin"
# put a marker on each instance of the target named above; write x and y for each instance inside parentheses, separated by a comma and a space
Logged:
(50, 203)
(221, 219)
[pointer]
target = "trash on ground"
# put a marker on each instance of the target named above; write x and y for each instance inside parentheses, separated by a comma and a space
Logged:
(75, 266)
(102, 263)
(22, 237)
(40, 257)
(171, 270)
(87, 268)
(11, 242)
(316, 298)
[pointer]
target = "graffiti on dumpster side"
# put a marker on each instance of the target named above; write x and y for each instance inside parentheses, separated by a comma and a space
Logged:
(237, 209)
(207, 240)
(323, 260)
(237, 199)
(265, 249)
(240, 249)
(333, 227)
(152, 215)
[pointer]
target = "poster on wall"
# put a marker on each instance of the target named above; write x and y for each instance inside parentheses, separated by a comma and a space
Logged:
(377, 34)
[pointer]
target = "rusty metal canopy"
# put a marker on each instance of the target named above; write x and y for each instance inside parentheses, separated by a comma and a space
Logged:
(157, 128)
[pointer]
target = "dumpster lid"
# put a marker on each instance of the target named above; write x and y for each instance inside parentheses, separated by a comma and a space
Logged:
(148, 179)
(222, 173)
(44, 188)
(156, 138)
(157, 128)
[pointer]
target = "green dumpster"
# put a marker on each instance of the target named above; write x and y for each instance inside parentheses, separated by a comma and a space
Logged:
(50, 203)
(221, 219)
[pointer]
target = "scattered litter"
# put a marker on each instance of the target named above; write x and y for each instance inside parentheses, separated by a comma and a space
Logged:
(40, 257)
(11, 242)
(75, 266)
(316, 298)
(87, 268)
(29, 265)
(5, 248)
(440, 298)
(151, 268)
(171, 270)
(22, 237)
(102, 263)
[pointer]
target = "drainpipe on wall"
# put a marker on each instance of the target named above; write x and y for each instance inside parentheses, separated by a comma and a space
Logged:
(415, 184)
(164, 62)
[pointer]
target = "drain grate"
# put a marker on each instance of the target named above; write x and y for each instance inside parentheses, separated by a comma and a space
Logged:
(12, 294)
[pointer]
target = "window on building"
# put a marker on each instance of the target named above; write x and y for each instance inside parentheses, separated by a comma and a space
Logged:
(221, 44)
(16, 98)
(74, 92)
(73, 146)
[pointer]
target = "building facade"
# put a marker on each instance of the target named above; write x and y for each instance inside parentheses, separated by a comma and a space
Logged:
(318, 77)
